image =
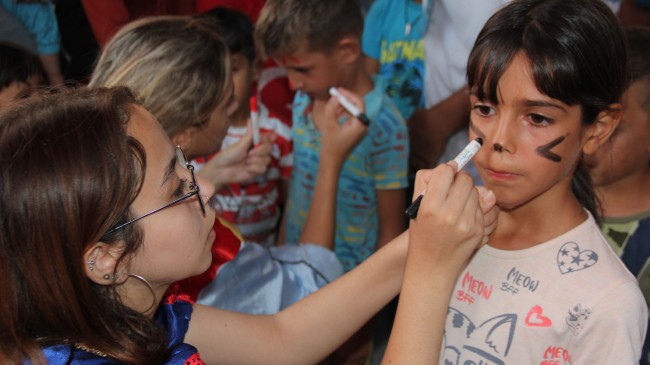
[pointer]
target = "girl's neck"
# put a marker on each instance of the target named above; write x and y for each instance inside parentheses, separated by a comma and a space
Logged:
(534, 223)
(627, 196)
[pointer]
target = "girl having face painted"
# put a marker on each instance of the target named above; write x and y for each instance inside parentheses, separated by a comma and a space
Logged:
(545, 78)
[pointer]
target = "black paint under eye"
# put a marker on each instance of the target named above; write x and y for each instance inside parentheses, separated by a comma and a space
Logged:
(545, 150)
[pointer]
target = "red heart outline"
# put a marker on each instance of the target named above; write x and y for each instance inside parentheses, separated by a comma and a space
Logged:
(538, 320)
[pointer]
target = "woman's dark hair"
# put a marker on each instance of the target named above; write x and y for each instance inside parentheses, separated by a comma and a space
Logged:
(577, 54)
(69, 173)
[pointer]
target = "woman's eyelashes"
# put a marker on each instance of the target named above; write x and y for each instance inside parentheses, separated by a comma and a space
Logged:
(180, 190)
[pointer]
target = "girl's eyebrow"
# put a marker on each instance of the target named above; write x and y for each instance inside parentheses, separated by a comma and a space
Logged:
(534, 103)
(169, 171)
(542, 103)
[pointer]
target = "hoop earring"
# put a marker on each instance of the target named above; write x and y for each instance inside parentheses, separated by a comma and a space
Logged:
(154, 302)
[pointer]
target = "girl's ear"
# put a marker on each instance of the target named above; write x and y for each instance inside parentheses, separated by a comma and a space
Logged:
(599, 132)
(100, 260)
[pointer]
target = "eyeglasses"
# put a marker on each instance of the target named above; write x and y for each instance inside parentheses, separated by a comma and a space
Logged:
(193, 187)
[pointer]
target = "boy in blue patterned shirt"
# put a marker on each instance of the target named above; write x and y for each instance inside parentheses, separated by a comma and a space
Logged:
(319, 44)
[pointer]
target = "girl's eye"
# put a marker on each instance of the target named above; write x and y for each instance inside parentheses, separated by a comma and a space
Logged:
(484, 110)
(539, 121)
(180, 190)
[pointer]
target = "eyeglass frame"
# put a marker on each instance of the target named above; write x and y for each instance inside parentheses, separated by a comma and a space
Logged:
(194, 190)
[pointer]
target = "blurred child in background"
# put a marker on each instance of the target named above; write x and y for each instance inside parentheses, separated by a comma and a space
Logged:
(21, 74)
(253, 205)
(620, 171)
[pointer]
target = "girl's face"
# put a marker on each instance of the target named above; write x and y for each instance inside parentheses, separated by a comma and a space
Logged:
(206, 139)
(532, 143)
(243, 72)
(177, 239)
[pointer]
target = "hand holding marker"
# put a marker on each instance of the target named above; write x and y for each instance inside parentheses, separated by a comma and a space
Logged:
(461, 160)
(351, 108)
(255, 121)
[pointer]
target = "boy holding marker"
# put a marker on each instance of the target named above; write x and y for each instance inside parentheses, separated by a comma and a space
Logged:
(319, 44)
(253, 206)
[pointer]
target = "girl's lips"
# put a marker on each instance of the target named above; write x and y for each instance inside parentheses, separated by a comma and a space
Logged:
(501, 175)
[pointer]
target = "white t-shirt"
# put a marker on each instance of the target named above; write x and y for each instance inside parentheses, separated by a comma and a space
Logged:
(569, 300)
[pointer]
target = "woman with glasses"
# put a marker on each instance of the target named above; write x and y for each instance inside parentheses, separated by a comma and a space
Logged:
(100, 213)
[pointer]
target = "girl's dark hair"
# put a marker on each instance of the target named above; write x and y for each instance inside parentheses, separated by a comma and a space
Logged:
(577, 54)
(235, 28)
(18, 65)
(69, 173)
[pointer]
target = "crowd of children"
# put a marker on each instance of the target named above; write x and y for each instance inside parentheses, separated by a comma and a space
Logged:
(558, 91)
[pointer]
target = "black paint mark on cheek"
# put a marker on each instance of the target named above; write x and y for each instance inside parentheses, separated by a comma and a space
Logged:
(545, 150)
(477, 131)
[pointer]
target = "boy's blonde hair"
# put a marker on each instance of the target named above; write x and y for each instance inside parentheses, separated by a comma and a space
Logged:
(178, 66)
(284, 26)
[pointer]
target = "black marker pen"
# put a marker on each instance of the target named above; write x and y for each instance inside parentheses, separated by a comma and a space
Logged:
(351, 108)
(461, 160)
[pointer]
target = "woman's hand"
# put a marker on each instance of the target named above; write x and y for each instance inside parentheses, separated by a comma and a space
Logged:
(452, 221)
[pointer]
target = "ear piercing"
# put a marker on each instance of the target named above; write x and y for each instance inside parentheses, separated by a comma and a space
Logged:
(91, 267)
